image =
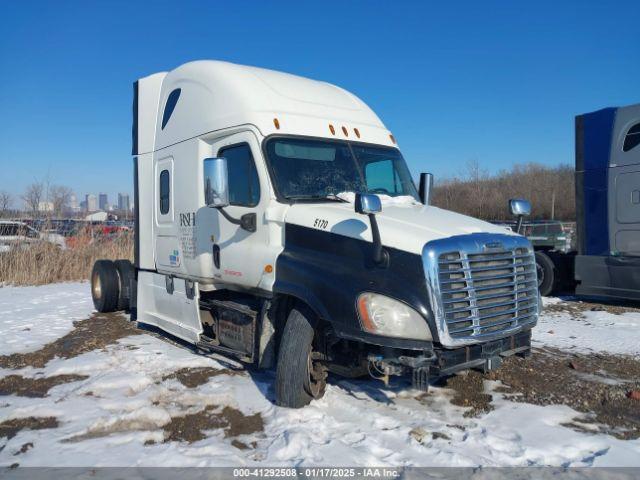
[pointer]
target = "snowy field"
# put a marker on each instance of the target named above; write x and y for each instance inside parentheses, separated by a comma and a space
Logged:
(141, 400)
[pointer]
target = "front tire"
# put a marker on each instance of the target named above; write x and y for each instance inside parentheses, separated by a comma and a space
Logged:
(299, 379)
(105, 287)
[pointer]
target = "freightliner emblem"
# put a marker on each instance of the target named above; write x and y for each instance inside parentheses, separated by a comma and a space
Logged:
(493, 246)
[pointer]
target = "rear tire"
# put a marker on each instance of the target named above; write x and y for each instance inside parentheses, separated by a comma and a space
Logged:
(105, 286)
(125, 275)
(547, 274)
(298, 379)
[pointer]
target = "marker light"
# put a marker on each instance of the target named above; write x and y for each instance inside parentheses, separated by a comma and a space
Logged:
(382, 315)
(345, 131)
(357, 132)
(393, 139)
(333, 130)
(276, 122)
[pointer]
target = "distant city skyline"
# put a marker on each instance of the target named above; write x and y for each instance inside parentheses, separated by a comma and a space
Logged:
(121, 201)
(101, 201)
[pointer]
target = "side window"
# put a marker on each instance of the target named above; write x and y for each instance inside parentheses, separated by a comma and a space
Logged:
(172, 101)
(632, 139)
(164, 192)
(381, 177)
(244, 186)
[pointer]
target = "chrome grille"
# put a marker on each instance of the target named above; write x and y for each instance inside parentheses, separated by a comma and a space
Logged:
(482, 291)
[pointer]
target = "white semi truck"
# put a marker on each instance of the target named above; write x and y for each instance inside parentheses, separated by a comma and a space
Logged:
(277, 222)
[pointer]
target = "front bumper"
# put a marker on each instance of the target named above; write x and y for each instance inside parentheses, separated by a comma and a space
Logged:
(441, 362)
(483, 355)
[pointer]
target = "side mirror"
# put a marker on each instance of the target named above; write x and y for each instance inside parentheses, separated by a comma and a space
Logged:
(216, 192)
(216, 182)
(368, 204)
(425, 188)
(520, 208)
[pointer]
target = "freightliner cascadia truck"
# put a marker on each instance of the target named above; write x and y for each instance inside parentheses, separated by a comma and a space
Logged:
(277, 223)
(607, 261)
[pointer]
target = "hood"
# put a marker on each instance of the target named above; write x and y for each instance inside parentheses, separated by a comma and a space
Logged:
(402, 226)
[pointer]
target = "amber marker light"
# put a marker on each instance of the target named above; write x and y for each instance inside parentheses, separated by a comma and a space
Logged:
(364, 314)
(268, 268)
(345, 131)
(357, 132)
(333, 130)
(276, 122)
(393, 139)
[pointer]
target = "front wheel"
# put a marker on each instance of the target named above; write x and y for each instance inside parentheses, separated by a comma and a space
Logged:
(299, 377)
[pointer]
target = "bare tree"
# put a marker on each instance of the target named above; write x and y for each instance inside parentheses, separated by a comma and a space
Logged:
(33, 197)
(5, 202)
(485, 196)
(477, 178)
(59, 196)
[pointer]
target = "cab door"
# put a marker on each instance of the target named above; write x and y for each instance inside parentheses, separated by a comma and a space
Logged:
(240, 256)
(168, 258)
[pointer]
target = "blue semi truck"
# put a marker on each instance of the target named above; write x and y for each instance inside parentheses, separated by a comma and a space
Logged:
(607, 261)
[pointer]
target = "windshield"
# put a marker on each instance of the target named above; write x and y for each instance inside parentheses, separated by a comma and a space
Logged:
(318, 169)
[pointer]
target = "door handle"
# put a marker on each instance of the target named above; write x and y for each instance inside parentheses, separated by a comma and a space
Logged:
(216, 255)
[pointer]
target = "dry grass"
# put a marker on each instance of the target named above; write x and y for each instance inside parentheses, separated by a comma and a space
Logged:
(44, 262)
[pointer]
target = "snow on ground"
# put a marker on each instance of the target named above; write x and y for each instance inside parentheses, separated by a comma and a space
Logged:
(34, 316)
(588, 331)
(116, 416)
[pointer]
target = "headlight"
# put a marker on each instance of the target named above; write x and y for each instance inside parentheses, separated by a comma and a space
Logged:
(385, 316)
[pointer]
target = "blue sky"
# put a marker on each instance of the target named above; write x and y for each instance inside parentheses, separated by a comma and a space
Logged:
(496, 82)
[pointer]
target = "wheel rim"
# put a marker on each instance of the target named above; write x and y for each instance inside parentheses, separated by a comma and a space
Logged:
(96, 286)
(315, 381)
(540, 272)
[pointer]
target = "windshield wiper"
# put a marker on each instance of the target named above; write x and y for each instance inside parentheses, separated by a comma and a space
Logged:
(332, 197)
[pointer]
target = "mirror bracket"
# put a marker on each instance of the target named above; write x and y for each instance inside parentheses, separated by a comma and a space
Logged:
(380, 255)
(369, 204)
(247, 221)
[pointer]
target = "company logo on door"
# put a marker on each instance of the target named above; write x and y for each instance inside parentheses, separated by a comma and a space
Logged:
(188, 219)
(174, 258)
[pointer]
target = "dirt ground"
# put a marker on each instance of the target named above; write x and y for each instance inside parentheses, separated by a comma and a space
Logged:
(191, 428)
(97, 332)
(34, 387)
(10, 428)
(94, 333)
(599, 386)
(194, 377)
(576, 308)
